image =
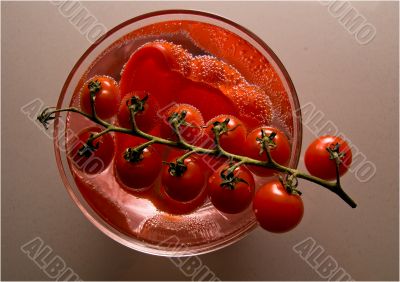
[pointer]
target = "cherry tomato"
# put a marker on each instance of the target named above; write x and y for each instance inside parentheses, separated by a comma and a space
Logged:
(191, 130)
(275, 209)
(317, 157)
(137, 173)
(231, 199)
(92, 159)
(187, 185)
(147, 119)
(233, 140)
(122, 138)
(175, 153)
(107, 98)
(280, 153)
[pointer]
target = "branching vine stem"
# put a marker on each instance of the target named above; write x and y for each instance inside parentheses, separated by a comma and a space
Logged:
(335, 187)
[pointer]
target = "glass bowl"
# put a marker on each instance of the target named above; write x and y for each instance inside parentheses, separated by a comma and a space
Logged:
(150, 230)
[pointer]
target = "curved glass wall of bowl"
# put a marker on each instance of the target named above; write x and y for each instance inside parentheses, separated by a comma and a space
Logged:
(206, 229)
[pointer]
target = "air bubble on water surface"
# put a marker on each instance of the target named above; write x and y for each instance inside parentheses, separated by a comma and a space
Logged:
(207, 69)
(253, 97)
(260, 69)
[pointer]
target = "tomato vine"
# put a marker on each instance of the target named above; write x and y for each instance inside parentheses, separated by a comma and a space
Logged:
(136, 105)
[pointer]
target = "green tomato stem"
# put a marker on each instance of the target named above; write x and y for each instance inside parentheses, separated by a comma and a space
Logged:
(334, 187)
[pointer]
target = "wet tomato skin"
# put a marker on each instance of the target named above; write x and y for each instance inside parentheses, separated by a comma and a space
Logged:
(191, 132)
(187, 186)
(145, 120)
(275, 209)
(317, 159)
(140, 174)
(232, 141)
(107, 99)
(280, 153)
(229, 200)
(100, 158)
(175, 153)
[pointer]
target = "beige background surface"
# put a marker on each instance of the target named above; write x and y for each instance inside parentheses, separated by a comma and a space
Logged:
(353, 85)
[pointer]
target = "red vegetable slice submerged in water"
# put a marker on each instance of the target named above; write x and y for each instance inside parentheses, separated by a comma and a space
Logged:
(171, 74)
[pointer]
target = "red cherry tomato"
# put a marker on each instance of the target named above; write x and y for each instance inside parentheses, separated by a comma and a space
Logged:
(280, 153)
(232, 141)
(229, 200)
(107, 98)
(317, 157)
(275, 209)
(92, 161)
(140, 173)
(186, 186)
(145, 120)
(175, 153)
(191, 131)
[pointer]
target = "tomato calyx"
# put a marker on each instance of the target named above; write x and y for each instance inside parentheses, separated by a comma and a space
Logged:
(220, 128)
(136, 103)
(176, 120)
(266, 141)
(290, 183)
(133, 155)
(177, 168)
(46, 116)
(94, 87)
(229, 180)
(335, 154)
